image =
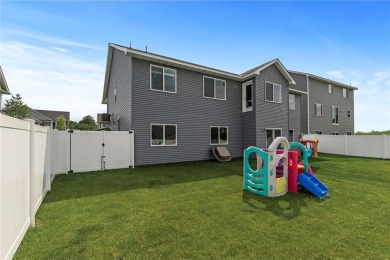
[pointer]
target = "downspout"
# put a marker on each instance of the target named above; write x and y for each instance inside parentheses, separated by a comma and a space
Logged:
(308, 105)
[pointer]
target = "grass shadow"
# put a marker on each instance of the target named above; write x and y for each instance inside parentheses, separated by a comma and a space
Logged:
(287, 206)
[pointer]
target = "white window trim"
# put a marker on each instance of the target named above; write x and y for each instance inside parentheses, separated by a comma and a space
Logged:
(289, 101)
(115, 95)
(273, 86)
(219, 138)
(214, 88)
(244, 108)
(157, 124)
(322, 109)
(281, 134)
(338, 112)
(166, 91)
(319, 131)
(332, 86)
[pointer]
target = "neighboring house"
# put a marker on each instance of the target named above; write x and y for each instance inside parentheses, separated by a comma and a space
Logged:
(179, 110)
(4, 90)
(49, 118)
(327, 106)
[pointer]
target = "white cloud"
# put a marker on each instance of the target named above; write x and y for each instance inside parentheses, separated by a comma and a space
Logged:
(59, 49)
(372, 101)
(53, 80)
(336, 74)
(50, 39)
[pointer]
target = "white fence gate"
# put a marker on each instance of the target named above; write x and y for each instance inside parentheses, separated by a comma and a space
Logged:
(374, 146)
(82, 151)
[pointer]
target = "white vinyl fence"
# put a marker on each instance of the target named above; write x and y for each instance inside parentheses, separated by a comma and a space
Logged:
(24, 179)
(30, 157)
(82, 151)
(374, 146)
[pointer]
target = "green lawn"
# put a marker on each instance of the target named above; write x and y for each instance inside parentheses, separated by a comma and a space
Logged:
(199, 210)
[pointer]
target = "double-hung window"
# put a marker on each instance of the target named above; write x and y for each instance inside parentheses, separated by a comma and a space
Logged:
(349, 113)
(330, 89)
(163, 135)
(318, 132)
(291, 101)
(273, 92)
(162, 79)
(335, 115)
(345, 93)
(218, 135)
(318, 109)
(214, 88)
(271, 134)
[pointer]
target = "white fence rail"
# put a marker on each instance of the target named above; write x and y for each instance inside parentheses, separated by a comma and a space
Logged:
(374, 146)
(24, 179)
(30, 157)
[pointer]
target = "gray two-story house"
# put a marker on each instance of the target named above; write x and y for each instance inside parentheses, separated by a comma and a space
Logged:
(327, 106)
(179, 110)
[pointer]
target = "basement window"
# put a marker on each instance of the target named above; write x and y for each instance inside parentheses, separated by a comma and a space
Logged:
(218, 135)
(163, 135)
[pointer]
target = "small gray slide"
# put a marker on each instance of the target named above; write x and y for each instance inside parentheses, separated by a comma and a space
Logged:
(221, 153)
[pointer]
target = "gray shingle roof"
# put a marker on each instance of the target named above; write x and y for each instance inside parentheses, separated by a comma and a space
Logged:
(53, 115)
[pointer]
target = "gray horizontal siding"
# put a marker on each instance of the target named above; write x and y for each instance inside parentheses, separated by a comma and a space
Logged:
(120, 78)
(294, 118)
(192, 114)
(300, 80)
(269, 114)
(304, 114)
(319, 94)
(249, 123)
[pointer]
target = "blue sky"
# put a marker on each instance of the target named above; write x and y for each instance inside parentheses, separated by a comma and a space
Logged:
(54, 53)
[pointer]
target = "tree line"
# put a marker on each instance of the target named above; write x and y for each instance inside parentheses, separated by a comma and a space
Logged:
(15, 107)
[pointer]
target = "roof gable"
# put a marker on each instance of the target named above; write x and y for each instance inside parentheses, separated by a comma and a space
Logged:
(144, 55)
(3, 84)
(53, 115)
(257, 70)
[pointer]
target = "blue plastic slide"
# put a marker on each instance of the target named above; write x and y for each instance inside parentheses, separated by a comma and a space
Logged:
(312, 184)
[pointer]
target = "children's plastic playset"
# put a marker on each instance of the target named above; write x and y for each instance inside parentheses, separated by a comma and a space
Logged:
(278, 170)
